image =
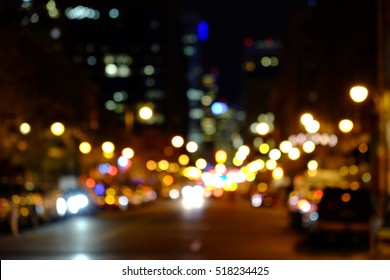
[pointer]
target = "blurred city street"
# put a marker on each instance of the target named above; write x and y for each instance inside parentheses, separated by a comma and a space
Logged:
(182, 129)
(223, 229)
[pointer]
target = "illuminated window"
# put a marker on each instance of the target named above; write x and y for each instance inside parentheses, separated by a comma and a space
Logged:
(120, 96)
(118, 65)
(203, 30)
(189, 51)
(274, 61)
(91, 60)
(55, 33)
(194, 94)
(34, 18)
(113, 13)
(196, 113)
(265, 61)
(81, 12)
(149, 70)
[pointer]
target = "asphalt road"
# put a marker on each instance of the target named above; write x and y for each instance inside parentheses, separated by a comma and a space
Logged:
(223, 229)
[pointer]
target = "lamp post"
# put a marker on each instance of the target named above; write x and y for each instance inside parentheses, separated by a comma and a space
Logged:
(359, 94)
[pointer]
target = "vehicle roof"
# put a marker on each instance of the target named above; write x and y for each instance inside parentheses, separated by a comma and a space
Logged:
(319, 178)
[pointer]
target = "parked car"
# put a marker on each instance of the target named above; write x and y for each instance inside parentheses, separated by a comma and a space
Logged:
(18, 207)
(307, 192)
(343, 211)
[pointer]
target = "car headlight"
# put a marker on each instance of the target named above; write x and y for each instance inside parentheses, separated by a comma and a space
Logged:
(61, 206)
(76, 203)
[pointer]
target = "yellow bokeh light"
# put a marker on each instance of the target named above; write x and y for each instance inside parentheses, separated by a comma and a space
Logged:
(192, 172)
(173, 167)
(163, 164)
(201, 163)
(145, 113)
(237, 162)
(57, 129)
(264, 148)
(167, 180)
(308, 147)
(108, 147)
(271, 164)
(25, 128)
(306, 118)
(231, 187)
(128, 153)
(177, 141)
(108, 155)
(250, 177)
(220, 156)
(278, 173)
(110, 191)
(358, 93)
(312, 126)
(85, 148)
(343, 170)
(262, 128)
(256, 165)
(353, 169)
(109, 199)
(294, 154)
(184, 159)
(262, 187)
(312, 165)
(151, 165)
(192, 147)
(345, 125)
(285, 146)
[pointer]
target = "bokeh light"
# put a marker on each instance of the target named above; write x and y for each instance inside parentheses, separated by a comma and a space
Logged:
(85, 147)
(57, 129)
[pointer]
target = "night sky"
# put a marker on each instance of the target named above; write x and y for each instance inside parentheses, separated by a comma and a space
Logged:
(230, 24)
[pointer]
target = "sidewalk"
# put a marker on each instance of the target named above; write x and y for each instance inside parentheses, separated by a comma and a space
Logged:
(382, 246)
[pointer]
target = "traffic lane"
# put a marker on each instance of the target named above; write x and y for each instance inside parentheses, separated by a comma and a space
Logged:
(222, 230)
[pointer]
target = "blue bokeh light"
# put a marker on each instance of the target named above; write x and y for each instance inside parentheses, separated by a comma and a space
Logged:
(203, 30)
(219, 108)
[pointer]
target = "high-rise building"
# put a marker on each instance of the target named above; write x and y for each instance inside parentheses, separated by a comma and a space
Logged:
(330, 47)
(142, 55)
(261, 67)
(133, 50)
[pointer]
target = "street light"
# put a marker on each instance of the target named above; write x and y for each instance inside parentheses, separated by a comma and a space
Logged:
(145, 113)
(108, 149)
(359, 94)
(57, 129)
(346, 125)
